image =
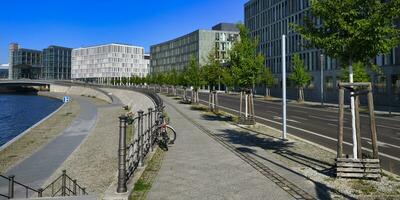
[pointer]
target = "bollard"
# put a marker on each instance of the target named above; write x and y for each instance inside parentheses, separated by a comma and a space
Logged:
(11, 187)
(140, 134)
(149, 129)
(40, 192)
(64, 183)
(122, 155)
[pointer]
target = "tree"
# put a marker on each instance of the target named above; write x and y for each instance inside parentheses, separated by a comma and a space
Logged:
(212, 71)
(185, 82)
(174, 80)
(300, 77)
(352, 31)
(267, 79)
(246, 64)
(227, 79)
(193, 74)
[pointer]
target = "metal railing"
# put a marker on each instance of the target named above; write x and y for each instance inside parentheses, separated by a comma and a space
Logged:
(62, 186)
(12, 183)
(134, 148)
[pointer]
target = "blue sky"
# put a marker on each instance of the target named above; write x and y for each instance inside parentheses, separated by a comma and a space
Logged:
(76, 23)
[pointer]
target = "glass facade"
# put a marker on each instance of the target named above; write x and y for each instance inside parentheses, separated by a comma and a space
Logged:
(26, 63)
(269, 20)
(56, 63)
(53, 63)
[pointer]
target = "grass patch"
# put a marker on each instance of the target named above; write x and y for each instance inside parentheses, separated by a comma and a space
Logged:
(362, 187)
(144, 184)
(141, 186)
(199, 108)
(177, 98)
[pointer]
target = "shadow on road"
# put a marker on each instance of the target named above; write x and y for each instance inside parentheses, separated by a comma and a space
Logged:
(248, 141)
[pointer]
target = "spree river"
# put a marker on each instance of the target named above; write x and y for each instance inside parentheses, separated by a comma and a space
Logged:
(19, 112)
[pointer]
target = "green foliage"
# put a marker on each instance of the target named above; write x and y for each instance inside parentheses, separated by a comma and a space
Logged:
(352, 30)
(173, 77)
(227, 78)
(265, 77)
(212, 71)
(244, 60)
(184, 78)
(300, 77)
(193, 74)
(359, 73)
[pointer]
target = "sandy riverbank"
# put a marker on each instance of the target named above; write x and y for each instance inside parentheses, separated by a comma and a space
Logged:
(46, 130)
(38, 136)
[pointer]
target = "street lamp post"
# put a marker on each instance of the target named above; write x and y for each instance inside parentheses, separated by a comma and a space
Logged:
(284, 132)
(322, 79)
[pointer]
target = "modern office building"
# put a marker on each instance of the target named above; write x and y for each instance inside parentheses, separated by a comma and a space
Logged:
(268, 20)
(56, 63)
(102, 63)
(4, 71)
(176, 53)
(24, 63)
(53, 63)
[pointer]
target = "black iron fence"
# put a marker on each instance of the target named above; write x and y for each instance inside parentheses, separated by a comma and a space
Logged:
(62, 186)
(12, 184)
(137, 142)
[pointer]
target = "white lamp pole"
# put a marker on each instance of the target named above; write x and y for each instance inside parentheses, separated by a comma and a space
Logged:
(284, 132)
(353, 114)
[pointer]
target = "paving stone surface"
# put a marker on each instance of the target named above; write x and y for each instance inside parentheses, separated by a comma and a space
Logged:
(198, 167)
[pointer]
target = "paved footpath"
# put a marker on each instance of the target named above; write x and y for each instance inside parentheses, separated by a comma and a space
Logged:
(198, 167)
(36, 169)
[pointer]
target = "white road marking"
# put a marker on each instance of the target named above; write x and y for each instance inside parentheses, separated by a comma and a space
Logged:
(313, 133)
(383, 144)
(289, 120)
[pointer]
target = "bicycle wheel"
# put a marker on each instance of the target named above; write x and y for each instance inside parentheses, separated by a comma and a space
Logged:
(171, 133)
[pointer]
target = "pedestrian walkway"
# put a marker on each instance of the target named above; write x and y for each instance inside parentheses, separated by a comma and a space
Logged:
(198, 167)
(36, 169)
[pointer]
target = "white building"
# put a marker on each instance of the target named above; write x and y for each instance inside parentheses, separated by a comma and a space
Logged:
(103, 63)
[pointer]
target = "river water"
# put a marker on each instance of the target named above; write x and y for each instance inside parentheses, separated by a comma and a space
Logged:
(19, 112)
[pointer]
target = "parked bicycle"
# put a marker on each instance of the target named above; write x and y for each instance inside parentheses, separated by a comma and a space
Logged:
(165, 133)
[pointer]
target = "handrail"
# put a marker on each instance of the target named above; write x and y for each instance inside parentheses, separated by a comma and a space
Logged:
(65, 186)
(144, 133)
(75, 190)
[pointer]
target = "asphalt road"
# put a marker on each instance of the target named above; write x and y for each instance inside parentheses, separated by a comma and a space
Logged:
(319, 125)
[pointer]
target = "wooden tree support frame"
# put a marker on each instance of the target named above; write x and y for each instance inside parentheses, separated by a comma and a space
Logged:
(213, 101)
(246, 103)
(363, 167)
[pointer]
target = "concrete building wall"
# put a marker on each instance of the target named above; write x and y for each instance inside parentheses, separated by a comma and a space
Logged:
(176, 53)
(99, 63)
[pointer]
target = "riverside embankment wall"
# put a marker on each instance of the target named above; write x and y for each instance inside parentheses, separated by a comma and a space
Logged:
(80, 91)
